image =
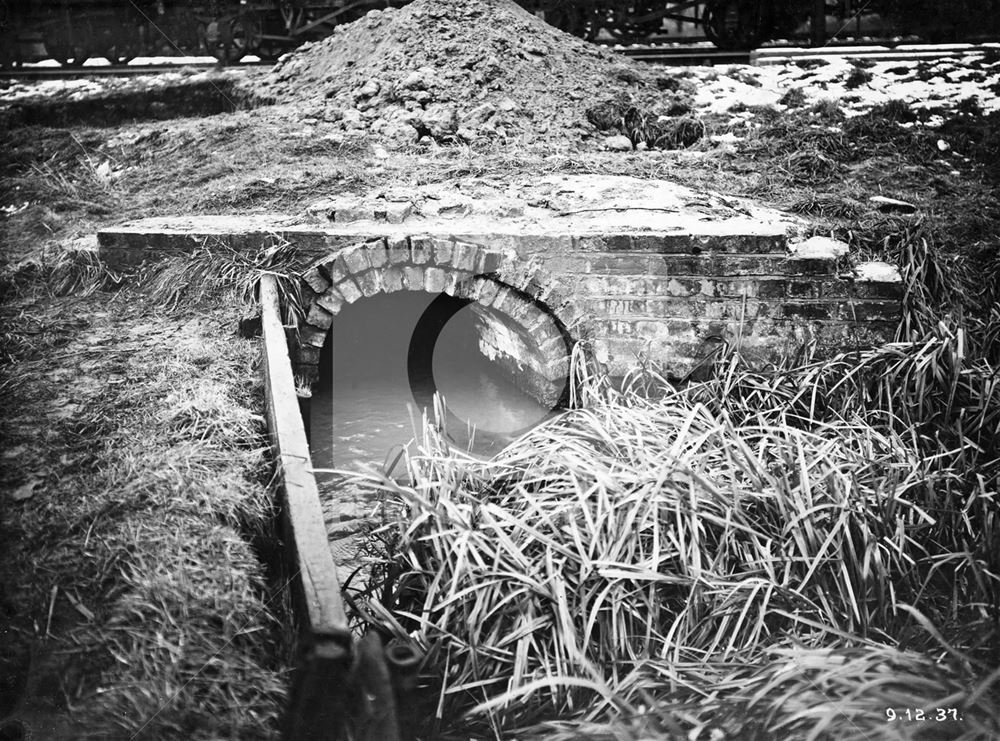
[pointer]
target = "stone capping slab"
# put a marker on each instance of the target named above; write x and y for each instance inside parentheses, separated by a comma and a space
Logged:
(306, 538)
(133, 243)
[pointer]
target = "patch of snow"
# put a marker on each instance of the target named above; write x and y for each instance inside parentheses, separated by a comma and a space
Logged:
(819, 247)
(877, 272)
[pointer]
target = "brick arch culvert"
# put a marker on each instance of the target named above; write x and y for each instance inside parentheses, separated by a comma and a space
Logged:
(526, 323)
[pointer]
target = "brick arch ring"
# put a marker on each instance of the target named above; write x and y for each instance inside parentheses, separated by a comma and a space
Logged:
(531, 322)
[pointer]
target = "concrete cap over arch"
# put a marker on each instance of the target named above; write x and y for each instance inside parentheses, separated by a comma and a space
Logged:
(526, 325)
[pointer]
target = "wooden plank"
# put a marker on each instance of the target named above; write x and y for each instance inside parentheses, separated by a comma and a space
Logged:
(317, 573)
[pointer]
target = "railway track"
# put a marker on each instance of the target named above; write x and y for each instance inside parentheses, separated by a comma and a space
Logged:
(689, 56)
(47, 72)
(672, 55)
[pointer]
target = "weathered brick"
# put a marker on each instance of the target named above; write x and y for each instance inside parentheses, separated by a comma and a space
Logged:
(356, 259)
(803, 289)
(485, 291)
(557, 368)
(369, 282)
(398, 250)
(488, 262)
(434, 280)
(413, 278)
(810, 266)
(392, 279)
(312, 336)
(665, 244)
(421, 249)
(867, 311)
(464, 256)
(335, 269)
(331, 302)
(503, 298)
(809, 311)
(319, 317)
(617, 242)
(307, 354)
(377, 253)
(349, 290)
(316, 280)
(772, 288)
(443, 249)
(624, 264)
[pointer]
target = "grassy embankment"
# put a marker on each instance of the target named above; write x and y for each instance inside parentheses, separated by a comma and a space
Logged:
(126, 412)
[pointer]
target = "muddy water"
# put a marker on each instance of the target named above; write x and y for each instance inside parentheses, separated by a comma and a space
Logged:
(364, 411)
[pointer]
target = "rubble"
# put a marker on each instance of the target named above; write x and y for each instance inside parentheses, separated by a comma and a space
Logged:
(454, 71)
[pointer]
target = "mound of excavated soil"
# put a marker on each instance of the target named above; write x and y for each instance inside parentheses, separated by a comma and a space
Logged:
(454, 70)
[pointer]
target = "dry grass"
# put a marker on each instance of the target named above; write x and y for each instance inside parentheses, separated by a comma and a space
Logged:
(152, 498)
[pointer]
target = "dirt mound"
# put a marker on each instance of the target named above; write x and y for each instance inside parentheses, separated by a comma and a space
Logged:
(454, 70)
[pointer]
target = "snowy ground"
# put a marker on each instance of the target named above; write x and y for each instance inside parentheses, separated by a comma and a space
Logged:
(857, 85)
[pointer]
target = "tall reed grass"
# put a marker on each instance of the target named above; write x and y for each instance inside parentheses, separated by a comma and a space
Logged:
(772, 553)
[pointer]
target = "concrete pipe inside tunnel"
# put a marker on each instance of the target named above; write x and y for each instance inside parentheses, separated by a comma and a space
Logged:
(386, 355)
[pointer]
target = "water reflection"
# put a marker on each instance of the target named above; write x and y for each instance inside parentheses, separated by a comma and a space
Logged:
(363, 409)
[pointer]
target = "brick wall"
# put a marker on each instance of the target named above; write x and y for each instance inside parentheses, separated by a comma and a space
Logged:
(672, 298)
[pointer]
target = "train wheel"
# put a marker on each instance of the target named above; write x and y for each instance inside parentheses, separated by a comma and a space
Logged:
(68, 55)
(120, 54)
(229, 40)
(734, 24)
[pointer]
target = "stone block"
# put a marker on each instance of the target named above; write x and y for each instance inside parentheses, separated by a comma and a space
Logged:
(319, 317)
(503, 299)
(458, 284)
(464, 256)
(392, 279)
(316, 280)
(413, 278)
(488, 262)
(331, 302)
(370, 282)
(393, 212)
(377, 253)
(312, 336)
(335, 269)
(421, 250)
(434, 280)
(443, 250)
(398, 250)
(356, 259)
(482, 290)
(349, 290)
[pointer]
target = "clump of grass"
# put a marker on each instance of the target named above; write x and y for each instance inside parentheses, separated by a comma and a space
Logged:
(793, 98)
(186, 280)
(857, 77)
(808, 165)
(61, 272)
(664, 123)
(825, 204)
(543, 583)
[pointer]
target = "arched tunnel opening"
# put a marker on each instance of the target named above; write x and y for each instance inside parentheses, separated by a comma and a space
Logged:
(386, 355)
